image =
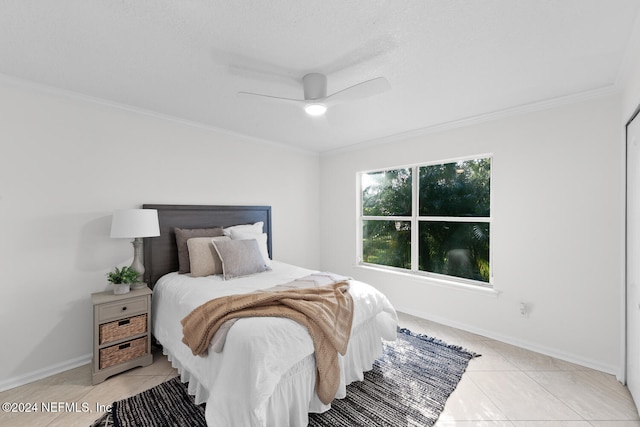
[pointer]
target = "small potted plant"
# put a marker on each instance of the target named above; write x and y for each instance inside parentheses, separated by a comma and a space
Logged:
(122, 279)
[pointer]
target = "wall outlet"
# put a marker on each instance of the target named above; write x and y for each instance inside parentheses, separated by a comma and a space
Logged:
(524, 310)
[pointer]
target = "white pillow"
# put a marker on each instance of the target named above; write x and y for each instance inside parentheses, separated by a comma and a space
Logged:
(242, 234)
(251, 228)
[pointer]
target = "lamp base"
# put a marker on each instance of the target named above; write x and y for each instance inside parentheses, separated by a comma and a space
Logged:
(137, 263)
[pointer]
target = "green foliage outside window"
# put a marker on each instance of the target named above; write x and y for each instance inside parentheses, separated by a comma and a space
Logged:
(387, 243)
(456, 189)
(459, 249)
(387, 193)
(456, 195)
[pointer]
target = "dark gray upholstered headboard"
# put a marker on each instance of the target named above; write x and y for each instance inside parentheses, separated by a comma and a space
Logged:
(161, 253)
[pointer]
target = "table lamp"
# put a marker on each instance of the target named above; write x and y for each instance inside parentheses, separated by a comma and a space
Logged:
(135, 224)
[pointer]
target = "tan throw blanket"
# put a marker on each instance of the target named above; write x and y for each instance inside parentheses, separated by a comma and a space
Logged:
(326, 311)
(311, 280)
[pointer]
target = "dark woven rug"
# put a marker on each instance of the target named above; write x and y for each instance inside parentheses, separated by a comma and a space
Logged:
(408, 386)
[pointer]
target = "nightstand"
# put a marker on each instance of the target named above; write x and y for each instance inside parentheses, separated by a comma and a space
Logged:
(121, 332)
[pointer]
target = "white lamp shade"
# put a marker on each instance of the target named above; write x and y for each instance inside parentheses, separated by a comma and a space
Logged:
(133, 223)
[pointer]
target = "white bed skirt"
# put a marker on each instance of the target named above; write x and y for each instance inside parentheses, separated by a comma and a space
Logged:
(294, 396)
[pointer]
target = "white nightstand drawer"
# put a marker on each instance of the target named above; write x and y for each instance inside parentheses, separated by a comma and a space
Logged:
(118, 309)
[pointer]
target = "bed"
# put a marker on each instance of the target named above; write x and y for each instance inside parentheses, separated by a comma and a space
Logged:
(265, 374)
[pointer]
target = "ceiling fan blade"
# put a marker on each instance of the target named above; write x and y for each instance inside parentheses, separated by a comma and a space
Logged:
(361, 90)
(271, 98)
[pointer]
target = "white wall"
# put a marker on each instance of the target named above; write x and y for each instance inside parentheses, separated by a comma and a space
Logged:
(66, 163)
(556, 235)
(629, 81)
(629, 78)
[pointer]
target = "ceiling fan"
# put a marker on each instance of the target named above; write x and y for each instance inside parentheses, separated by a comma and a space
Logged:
(316, 101)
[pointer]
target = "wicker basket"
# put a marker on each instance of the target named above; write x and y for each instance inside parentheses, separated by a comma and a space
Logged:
(124, 352)
(114, 331)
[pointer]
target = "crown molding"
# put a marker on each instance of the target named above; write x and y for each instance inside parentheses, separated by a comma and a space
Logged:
(52, 90)
(481, 118)
(402, 136)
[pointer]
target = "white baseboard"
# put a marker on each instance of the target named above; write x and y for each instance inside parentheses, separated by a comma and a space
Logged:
(43, 373)
(568, 357)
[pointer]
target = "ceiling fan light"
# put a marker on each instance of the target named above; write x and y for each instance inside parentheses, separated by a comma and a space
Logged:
(315, 109)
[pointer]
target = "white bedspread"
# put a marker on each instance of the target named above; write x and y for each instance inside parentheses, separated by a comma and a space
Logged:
(265, 375)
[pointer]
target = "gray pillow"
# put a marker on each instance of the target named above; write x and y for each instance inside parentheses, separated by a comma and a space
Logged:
(184, 234)
(203, 258)
(240, 258)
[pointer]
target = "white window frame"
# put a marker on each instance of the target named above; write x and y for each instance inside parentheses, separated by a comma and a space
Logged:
(415, 220)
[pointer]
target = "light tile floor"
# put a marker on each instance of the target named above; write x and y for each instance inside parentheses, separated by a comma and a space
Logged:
(505, 387)
(74, 387)
(511, 387)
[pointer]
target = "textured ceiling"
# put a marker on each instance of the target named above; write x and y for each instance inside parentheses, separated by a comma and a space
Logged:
(445, 60)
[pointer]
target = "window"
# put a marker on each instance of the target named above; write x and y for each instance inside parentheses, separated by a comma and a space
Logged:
(432, 219)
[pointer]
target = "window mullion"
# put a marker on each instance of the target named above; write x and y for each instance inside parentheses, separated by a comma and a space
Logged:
(386, 218)
(415, 235)
(359, 219)
(456, 218)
